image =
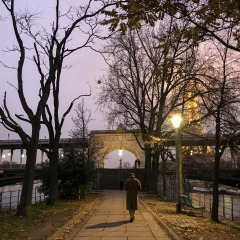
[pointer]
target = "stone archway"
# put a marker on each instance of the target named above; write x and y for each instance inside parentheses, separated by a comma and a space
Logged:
(120, 138)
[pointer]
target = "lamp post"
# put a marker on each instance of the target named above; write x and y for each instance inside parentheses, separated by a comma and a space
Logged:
(120, 165)
(176, 123)
(98, 177)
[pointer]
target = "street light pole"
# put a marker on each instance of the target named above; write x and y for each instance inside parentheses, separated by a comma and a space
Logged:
(120, 165)
(178, 203)
(176, 122)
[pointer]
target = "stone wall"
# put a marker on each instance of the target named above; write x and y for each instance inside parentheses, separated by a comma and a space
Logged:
(109, 178)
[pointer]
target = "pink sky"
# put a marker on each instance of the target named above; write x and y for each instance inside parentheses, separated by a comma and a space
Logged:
(87, 67)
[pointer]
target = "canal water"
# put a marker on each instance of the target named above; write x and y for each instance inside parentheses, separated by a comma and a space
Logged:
(10, 195)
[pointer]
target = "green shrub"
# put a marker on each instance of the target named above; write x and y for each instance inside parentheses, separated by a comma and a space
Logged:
(75, 174)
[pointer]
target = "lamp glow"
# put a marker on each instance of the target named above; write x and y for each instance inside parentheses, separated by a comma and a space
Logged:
(120, 152)
(9, 154)
(176, 120)
(4, 155)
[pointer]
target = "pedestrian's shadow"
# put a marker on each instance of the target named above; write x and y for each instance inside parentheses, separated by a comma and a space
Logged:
(107, 225)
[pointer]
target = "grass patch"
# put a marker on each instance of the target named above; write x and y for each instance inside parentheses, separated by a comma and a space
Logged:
(10, 224)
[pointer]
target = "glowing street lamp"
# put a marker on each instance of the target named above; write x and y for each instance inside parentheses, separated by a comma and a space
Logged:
(176, 120)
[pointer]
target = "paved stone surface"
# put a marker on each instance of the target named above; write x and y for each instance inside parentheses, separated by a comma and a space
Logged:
(110, 221)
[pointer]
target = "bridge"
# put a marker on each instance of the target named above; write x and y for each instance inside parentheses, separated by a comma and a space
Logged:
(125, 139)
(17, 144)
(12, 145)
(108, 137)
(110, 140)
(15, 174)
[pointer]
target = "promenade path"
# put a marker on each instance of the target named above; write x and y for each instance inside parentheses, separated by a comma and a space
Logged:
(110, 221)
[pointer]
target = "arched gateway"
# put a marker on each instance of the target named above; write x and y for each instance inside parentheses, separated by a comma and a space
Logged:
(110, 140)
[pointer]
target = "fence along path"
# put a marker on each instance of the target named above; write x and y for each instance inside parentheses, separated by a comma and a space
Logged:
(229, 205)
(10, 196)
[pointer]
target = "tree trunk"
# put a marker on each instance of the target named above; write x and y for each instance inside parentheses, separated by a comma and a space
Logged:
(147, 173)
(24, 207)
(164, 174)
(154, 173)
(155, 169)
(53, 177)
(214, 214)
(152, 176)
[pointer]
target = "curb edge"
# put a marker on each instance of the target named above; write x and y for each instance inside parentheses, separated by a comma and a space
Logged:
(169, 231)
(56, 233)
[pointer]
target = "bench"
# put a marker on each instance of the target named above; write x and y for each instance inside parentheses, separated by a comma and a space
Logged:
(187, 201)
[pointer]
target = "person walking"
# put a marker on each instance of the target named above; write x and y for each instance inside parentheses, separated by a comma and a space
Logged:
(121, 184)
(132, 185)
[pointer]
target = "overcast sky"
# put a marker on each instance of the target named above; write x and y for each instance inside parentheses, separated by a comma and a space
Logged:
(87, 66)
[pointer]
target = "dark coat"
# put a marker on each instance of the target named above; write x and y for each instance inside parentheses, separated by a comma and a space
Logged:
(132, 185)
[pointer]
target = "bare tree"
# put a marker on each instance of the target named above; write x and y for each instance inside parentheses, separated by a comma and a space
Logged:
(89, 146)
(54, 130)
(6, 162)
(127, 165)
(50, 51)
(147, 81)
(81, 122)
(223, 102)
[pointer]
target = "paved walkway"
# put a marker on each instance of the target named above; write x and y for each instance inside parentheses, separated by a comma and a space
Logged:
(110, 221)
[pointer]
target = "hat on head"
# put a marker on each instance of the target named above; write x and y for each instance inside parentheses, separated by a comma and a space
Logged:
(132, 175)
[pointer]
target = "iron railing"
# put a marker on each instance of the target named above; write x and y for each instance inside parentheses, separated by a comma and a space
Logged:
(229, 205)
(17, 166)
(10, 199)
